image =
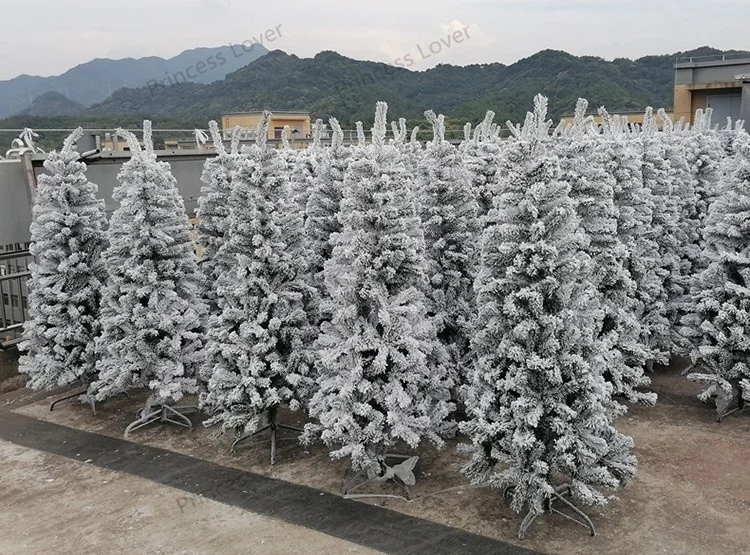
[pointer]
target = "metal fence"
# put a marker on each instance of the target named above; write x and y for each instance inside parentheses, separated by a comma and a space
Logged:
(14, 303)
(712, 58)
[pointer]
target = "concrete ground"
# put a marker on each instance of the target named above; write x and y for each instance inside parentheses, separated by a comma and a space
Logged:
(54, 506)
(690, 496)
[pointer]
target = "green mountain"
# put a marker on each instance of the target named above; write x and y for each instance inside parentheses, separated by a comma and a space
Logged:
(53, 104)
(96, 80)
(330, 84)
(333, 85)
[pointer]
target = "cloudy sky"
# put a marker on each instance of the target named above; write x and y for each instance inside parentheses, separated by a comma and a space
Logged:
(41, 37)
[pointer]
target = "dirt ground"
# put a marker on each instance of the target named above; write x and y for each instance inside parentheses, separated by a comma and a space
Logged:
(78, 508)
(691, 494)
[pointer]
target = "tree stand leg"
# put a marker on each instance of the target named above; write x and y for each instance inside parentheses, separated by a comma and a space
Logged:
(70, 397)
(162, 413)
(740, 407)
(557, 496)
(400, 474)
(273, 426)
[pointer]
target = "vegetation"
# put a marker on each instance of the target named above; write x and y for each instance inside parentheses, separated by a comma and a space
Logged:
(332, 85)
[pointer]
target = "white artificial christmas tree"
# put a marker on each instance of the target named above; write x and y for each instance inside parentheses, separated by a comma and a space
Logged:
(399, 133)
(288, 154)
(634, 203)
(708, 163)
(305, 167)
(705, 156)
(414, 148)
(658, 178)
(683, 191)
(213, 211)
(152, 312)
(323, 204)
(448, 211)
(257, 351)
(539, 411)
(481, 155)
(382, 376)
(67, 239)
(722, 300)
(584, 166)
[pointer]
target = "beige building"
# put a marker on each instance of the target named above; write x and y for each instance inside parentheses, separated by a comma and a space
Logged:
(115, 143)
(635, 118)
(298, 122)
(720, 82)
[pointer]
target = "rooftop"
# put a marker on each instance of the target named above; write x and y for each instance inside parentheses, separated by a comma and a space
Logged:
(714, 60)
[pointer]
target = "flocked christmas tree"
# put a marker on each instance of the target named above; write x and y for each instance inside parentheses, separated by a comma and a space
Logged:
(634, 203)
(305, 166)
(448, 211)
(382, 376)
(323, 204)
(481, 155)
(683, 191)
(213, 211)
(722, 300)
(708, 163)
(152, 312)
(258, 345)
(583, 158)
(539, 409)
(67, 239)
(705, 156)
(659, 178)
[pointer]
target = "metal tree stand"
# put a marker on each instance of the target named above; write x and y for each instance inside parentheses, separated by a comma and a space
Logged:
(401, 474)
(270, 424)
(557, 496)
(68, 398)
(161, 413)
(724, 409)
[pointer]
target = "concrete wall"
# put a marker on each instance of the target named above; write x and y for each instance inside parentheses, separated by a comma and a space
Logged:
(15, 195)
(186, 169)
(745, 111)
(696, 81)
(710, 72)
(15, 211)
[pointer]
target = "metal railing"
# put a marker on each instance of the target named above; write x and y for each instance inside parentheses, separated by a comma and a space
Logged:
(713, 58)
(185, 139)
(14, 304)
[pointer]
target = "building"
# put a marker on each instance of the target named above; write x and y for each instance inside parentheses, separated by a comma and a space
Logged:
(634, 118)
(720, 82)
(114, 143)
(298, 122)
(14, 302)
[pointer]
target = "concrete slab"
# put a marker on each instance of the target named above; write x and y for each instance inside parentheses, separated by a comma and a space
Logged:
(52, 505)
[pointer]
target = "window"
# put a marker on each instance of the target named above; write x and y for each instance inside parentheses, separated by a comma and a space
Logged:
(5, 299)
(14, 301)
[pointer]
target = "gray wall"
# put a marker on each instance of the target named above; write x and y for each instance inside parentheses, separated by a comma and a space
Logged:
(15, 212)
(186, 169)
(709, 72)
(15, 205)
